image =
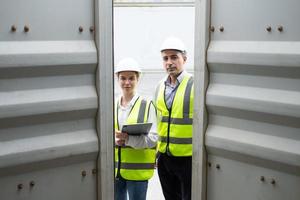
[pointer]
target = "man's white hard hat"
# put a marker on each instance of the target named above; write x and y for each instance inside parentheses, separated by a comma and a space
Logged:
(127, 64)
(173, 43)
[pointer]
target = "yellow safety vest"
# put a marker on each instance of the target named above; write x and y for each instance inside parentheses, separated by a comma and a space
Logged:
(175, 125)
(130, 163)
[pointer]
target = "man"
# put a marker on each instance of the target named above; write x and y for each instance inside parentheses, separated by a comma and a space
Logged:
(174, 101)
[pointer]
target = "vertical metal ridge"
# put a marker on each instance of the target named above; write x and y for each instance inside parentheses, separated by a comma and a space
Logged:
(105, 82)
(199, 159)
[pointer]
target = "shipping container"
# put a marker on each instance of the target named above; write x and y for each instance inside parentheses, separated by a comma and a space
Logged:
(57, 93)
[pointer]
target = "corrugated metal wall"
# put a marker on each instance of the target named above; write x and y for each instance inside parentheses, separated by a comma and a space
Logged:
(48, 100)
(253, 100)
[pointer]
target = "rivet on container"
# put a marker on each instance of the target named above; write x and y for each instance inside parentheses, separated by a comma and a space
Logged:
(209, 164)
(212, 29)
(280, 28)
(20, 186)
(221, 28)
(94, 171)
(92, 29)
(83, 173)
(269, 28)
(80, 29)
(262, 179)
(31, 184)
(218, 166)
(26, 28)
(13, 28)
(273, 182)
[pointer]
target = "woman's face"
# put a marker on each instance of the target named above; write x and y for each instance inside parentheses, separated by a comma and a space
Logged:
(128, 81)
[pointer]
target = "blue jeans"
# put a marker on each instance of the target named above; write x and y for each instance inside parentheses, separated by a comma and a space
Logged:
(137, 190)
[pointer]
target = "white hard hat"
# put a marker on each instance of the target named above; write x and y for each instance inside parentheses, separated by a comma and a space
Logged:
(173, 43)
(127, 64)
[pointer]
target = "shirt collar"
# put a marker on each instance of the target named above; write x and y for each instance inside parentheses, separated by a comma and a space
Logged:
(132, 101)
(179, 78)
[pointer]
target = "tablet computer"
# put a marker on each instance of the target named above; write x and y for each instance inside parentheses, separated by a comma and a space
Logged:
(137, 129)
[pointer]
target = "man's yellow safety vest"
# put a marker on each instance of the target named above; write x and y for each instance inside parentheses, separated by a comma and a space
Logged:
(175, 125)
(130, 163)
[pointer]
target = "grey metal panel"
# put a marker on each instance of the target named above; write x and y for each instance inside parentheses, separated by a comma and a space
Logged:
(255, 53)
(60, 182)
(18, 54)
(24, 83)
(20, 103)
(47, 20)
(246, 20)
(253, 101)
(232, 181)
(48, 100)
(256, 99)
(40, 148)
(254, 144)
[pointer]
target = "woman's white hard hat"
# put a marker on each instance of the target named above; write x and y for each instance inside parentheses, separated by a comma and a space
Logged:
(173, 43)
(127, 64)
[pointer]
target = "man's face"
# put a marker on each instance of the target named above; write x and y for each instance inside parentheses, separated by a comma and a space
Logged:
(173, 62)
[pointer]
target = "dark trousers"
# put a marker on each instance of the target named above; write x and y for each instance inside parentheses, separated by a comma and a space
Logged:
(175, 175)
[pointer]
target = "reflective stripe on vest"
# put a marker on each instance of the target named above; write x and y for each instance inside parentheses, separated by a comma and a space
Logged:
(135, 164)
(176, 140)
(175, 126)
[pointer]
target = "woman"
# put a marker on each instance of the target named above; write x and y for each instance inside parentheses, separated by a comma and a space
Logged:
(134, 155)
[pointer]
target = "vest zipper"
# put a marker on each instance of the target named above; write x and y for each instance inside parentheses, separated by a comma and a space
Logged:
(168, 134)
(119, 162)
(169, 120)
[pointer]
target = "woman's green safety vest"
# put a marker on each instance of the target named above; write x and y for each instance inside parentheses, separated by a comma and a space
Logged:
(130, 163)
(175, 125)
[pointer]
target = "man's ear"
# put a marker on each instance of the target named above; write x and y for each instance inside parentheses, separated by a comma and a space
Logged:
(184, 58)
